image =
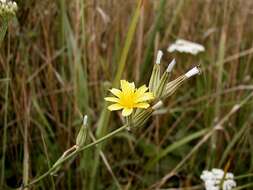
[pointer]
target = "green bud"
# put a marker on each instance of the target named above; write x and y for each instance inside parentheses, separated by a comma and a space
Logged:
(82, 135)
(154, 79)
(172, 86)
(141, 117)
(155, 76)
(164, 80)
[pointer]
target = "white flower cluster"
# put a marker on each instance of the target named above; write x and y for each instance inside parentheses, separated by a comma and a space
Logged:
(8, 7)
(185, 46)
(216, 178)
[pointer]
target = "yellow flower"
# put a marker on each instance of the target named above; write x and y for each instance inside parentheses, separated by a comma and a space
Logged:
(129, 98)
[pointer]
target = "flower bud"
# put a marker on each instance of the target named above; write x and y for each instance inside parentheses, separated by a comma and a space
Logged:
(155, 76)
(192, 72)
(158, 105)
(159, 57)
(141, 117)
(164, 80)
(172, 86)
(82, 135)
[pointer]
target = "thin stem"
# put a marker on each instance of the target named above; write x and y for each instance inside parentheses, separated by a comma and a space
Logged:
(244, 176)
(75, 153)
(5, 128)
(243, 186)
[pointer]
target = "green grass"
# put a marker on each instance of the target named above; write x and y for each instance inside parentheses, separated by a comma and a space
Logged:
(58, 60)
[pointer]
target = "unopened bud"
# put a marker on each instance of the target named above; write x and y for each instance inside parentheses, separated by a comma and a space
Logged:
(160, 88)
(141, 117)
(157, 105)
(171, 66)
(159, 57)
(82, 135)
(192, 72)
(172, 86)
(155, 78)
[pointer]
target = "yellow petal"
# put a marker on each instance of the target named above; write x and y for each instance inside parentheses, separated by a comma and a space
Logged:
(116, 92)
(142, 105)
(141, 90)
(132, 86)
(127, 111)
(145, 97)
(124, 85)
(112, 99)
(114, 107)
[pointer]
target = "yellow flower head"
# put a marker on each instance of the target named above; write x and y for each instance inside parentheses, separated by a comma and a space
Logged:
(129, 98)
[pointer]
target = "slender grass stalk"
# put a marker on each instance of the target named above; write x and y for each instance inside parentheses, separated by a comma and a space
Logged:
(105, 115)
(150, 44)
(104, 118)
(26, 154)
(128, 42)
(175, 16)
(231, 144)
(5, 127)
(219, 88)
(244, 176)
(243, 186)
(47, 157)
(3, 27)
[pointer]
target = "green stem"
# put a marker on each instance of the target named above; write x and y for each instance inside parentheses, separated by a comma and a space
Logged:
(3, 27)
(244, 176)
(243, 186)
(75, 153)
(5, 127)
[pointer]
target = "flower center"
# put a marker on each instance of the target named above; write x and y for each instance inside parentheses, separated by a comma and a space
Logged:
(127, 100)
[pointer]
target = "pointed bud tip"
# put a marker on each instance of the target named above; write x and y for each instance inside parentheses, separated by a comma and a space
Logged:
(85, 120)
(157, 105)
(192, 72)
(171, 65)
(159, 57)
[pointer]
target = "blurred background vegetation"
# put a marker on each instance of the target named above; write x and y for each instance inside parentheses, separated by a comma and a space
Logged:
(59, 58)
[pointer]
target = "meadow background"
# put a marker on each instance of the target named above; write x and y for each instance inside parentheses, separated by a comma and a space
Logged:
(58, 60)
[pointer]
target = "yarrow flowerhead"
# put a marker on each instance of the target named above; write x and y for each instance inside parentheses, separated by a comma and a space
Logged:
(185, 46)
(217, 179)
(8, 8)
(129, 98)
